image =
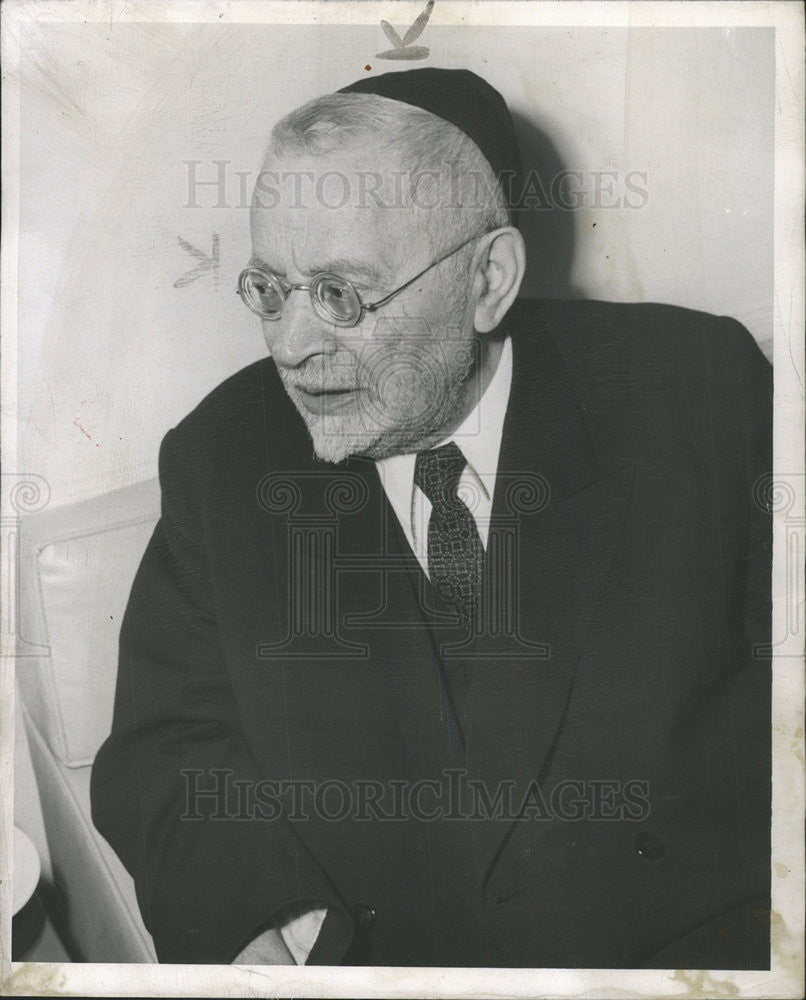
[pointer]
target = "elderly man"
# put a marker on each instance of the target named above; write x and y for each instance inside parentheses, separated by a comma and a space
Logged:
(449, 646)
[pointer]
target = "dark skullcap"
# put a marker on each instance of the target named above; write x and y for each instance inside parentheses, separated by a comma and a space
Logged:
(463, 99)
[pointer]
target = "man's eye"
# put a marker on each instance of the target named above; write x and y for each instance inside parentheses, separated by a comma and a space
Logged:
(337, 292)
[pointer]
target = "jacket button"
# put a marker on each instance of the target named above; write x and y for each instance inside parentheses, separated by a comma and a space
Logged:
(364, 917)
(647, 845)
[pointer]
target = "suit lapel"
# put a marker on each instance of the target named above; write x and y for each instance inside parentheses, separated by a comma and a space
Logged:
(557, 518)
(406, 598)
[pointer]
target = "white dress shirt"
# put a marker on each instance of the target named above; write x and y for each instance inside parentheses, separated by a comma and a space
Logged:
(479, 438)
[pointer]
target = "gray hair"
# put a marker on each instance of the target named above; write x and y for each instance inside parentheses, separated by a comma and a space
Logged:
(442, 167)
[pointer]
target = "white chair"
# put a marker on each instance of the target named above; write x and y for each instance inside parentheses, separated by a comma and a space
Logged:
(76, 566)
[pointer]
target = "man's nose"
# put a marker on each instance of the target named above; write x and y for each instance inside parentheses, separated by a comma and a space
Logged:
(299, 334)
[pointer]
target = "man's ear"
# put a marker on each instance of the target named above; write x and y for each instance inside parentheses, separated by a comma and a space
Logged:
(499, 274)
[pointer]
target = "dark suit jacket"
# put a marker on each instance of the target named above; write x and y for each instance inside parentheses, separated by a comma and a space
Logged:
(615, 690)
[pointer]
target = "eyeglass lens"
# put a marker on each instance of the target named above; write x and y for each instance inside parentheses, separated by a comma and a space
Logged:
(262, 293)
(337, 298)
(334, 298)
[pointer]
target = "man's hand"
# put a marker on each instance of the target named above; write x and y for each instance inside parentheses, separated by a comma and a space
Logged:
(268, 948)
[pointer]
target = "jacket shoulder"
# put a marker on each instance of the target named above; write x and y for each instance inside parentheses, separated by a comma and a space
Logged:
(584, 325)
(612, 345)
(232, 403)
(244, 424)
(645, 375)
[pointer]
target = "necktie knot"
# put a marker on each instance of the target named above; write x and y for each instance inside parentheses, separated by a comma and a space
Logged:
(437, 472)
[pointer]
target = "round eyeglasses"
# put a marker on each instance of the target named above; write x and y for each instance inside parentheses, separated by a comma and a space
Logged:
(333, 298)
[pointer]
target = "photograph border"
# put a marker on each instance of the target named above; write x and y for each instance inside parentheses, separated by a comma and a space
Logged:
(785, 978)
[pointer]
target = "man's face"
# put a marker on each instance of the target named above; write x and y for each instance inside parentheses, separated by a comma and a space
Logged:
(406, 375)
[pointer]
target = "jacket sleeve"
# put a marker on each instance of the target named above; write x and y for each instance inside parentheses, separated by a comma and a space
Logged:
(171, 785)
(739, 372)
(740, 431)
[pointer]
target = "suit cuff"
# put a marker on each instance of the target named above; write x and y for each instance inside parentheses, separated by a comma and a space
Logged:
(300, 933)
(335, 938)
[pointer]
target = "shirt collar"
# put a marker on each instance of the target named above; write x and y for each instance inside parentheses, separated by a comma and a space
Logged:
(479, 434)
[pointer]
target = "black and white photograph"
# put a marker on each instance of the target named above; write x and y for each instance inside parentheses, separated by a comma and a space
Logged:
(402, 499)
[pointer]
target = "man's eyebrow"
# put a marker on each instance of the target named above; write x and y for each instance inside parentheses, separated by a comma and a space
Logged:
(348, 268)
(344, 266)
(256, 261)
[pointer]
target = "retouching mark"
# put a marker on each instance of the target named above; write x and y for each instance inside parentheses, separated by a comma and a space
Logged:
(403, 49)
(209, 262)
(84, 432)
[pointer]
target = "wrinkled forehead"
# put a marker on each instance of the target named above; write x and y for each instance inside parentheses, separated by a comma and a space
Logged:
(336, 204)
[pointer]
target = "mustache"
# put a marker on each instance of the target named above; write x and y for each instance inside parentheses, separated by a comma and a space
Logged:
(316, 379)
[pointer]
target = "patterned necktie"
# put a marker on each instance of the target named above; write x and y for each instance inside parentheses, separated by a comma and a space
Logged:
(455, 552)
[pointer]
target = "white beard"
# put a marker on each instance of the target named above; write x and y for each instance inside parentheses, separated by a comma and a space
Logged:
(411, 397)
(364, 431)
(338, 436)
